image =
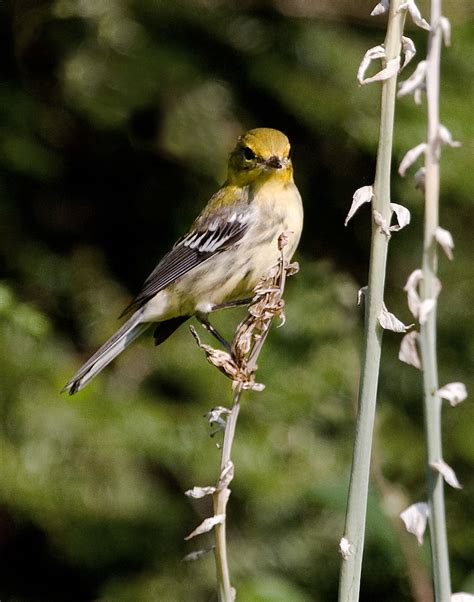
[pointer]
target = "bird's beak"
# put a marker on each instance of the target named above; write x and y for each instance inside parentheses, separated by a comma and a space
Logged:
(274, 162)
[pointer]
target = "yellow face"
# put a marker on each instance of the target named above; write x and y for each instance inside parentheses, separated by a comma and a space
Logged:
(260, 153)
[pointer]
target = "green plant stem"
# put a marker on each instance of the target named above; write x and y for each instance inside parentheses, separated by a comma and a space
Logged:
(432, 401)
(354, 531)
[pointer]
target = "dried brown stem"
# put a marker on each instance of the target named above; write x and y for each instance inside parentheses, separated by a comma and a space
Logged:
(240, 366)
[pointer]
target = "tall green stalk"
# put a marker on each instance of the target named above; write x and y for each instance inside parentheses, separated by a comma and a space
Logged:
(432, 401)
(358, 489)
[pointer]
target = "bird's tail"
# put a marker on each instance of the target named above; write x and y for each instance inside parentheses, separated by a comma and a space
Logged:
(132, 329)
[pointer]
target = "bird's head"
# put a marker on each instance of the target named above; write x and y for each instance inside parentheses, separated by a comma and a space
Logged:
(260, 154)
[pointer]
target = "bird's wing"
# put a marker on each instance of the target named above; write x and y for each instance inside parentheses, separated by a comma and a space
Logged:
(208, 237)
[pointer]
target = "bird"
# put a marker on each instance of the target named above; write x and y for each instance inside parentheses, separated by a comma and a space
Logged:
(230, 246)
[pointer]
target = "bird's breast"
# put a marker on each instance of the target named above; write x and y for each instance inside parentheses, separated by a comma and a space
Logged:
(234, 273)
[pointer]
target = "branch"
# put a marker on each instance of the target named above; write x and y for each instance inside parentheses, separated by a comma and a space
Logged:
(429, 288)
(352, 543)
(240, 366)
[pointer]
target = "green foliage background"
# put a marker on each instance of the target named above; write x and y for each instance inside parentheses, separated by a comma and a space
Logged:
(117, 118)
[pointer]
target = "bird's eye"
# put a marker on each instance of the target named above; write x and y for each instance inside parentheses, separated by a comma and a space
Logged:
(248, 153)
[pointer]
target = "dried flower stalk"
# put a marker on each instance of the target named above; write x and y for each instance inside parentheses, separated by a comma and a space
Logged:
(240, 366)
(429, 289)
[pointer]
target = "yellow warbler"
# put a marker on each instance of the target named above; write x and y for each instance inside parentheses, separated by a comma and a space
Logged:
(229, 247)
